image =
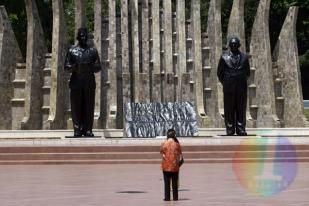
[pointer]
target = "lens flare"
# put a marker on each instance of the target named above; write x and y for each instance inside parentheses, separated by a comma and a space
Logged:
(265, 168)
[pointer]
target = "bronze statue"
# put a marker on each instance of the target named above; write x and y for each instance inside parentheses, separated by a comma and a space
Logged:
(82, 61)
(233, 72)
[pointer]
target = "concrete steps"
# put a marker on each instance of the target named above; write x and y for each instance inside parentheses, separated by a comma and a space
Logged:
(18, 100)
(51, 147)
(149, 154)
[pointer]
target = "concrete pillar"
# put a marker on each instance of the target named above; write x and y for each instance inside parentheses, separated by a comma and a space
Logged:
(155, 31)
(155, 51)
(98, 44)
(35, 62)
(135, 49)
(181, 45)
(236, 25)
(112, 78)
(119, 80)
(262, 62)
(80, 14)
(59, 78)
(145, 36)
(124, 36)
(168, 86)
(126, 78)
(145, 90)
(9, 55)
(286, 56)
(215, 100)
(168, 47)
(197, 63)
(105, 84)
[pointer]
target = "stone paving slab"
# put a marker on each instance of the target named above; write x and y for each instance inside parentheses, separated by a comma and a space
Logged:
(136, 185)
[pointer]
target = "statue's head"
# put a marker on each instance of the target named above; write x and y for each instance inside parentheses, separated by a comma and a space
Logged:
(82, 36)
(234, 43)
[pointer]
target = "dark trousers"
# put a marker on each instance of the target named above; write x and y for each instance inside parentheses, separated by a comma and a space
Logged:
(168, 178)
(235, 103)
(82, 108)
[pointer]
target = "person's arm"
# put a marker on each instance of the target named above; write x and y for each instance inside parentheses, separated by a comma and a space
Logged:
(179, 149)
(220, 71)
(162, 150)
(97, 64)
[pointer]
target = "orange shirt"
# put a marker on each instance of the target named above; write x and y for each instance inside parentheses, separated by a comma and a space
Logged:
(170, 151)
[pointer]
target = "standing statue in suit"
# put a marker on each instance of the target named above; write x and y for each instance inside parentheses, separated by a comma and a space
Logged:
(233, 72)
(82, 61)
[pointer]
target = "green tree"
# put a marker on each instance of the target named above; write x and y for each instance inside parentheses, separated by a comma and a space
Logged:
(17, 15)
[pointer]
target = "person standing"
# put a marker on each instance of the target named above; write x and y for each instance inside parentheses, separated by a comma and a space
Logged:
(171, 154)
(233, 72)
(82, 61)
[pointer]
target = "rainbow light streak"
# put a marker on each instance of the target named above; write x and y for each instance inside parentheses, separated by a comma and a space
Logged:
(271, 167)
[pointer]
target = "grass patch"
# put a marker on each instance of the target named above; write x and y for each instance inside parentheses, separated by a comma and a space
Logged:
(307, 113)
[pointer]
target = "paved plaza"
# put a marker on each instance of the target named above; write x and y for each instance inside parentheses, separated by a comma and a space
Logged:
(136, 185)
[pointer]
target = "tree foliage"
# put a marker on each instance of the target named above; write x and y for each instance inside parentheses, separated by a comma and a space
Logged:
(279, 8)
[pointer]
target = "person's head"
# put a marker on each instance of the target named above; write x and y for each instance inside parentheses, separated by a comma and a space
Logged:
(171, 133)
(82, 36)
(234, 44)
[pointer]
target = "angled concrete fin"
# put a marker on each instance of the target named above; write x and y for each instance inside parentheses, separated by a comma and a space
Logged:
(286, 57)
(215, 100)
(236, 26)
(262, 62)
(35, 62)
(59, 78)
(9, 55)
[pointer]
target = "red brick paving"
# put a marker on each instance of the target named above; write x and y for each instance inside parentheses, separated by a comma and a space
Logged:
(105, 185)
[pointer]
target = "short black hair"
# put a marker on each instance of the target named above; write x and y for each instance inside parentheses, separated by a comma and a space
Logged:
(171, 133)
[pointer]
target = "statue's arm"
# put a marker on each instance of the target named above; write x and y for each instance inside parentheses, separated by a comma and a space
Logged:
(220, 71)
(97, 64)
(69, 64)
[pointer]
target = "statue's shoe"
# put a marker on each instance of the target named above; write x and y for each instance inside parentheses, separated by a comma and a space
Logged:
(241, 133)
(88, 134)
(77, 133)
(230, 132)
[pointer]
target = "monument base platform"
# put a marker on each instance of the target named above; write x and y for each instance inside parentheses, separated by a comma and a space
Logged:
(51, 147)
